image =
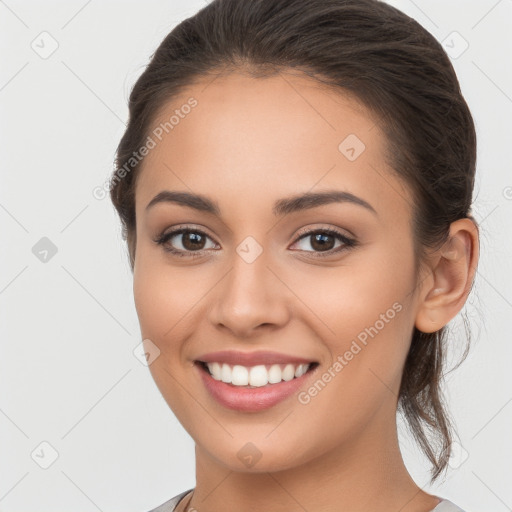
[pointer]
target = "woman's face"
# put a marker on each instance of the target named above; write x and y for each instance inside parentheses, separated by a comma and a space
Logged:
(260, 269)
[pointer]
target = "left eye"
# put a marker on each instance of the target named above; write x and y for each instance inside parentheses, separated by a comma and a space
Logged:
(324, 241)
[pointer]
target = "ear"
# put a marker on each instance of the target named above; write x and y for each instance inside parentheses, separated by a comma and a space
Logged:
(450, 277)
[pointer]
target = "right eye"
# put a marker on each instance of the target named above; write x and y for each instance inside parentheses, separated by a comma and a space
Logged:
(192, 242)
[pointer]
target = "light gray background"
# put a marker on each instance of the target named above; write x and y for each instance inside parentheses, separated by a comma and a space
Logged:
(68, 326)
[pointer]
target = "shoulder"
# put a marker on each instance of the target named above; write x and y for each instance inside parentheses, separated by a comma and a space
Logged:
(447, 506)
(171, 504)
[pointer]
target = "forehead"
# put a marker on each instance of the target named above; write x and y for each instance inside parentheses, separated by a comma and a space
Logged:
(265, 138)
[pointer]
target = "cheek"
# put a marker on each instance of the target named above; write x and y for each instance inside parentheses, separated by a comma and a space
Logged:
(369, 310)
(164, 295)
(162, 301)
(150, 302)
(360, 386)
(366, 289)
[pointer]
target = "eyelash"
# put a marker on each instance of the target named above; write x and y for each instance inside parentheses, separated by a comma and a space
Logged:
(163, 238)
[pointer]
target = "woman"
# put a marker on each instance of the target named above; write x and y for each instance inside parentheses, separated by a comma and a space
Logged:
(294, 185)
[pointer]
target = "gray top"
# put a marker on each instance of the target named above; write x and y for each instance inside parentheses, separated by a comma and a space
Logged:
(170, 506)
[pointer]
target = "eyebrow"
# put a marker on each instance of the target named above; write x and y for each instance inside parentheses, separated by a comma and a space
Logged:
(281, 207)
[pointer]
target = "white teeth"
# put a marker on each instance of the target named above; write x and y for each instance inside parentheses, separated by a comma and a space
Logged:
(258, 376)
(240, 376)
(288, 372)
(225, 374)
(215, 370)
(274, 374)
(300, 370)
(255, 376)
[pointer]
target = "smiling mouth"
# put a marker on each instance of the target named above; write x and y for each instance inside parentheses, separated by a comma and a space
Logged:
(255, 376)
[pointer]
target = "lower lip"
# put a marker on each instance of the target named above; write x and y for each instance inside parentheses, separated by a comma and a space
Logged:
(251, 399)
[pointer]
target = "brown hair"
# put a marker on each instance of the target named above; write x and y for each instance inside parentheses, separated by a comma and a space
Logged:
(389, 62)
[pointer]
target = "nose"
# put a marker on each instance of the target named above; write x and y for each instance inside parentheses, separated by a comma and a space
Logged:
(249, 299)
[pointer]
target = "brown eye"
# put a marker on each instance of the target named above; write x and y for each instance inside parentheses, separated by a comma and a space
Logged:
(323, 242)
(183, 241)
(193, 241)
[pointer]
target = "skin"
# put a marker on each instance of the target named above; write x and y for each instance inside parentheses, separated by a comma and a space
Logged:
(249, 142)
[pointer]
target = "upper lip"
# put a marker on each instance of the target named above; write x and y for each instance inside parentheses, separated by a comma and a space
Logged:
(234, 357)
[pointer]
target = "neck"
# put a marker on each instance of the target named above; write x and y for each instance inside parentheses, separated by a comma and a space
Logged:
(367, 473)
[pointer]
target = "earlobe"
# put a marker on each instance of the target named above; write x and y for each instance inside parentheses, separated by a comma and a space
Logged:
(453, 270)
